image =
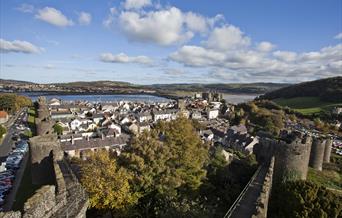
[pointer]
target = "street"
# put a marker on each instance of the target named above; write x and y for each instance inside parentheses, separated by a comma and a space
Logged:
(7, 142)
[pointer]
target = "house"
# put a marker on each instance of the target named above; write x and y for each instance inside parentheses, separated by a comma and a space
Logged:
(196, 115)
(116, 127)
(97, 118)
(212, 113)
(162, 115)
(54, 102)
(208, 135)
(109, 108)
(133, 128)
(3, 116)
(144, 117)
(125, 120)
(75, 124)
(80, 148)
(61, 114)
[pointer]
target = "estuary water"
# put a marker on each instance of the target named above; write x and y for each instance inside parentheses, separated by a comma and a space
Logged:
(230, 98)
(100, 98)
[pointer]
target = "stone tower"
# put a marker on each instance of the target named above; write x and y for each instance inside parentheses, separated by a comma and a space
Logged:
(43, 145)
(317, 153)
(327, 150)
(292, 156)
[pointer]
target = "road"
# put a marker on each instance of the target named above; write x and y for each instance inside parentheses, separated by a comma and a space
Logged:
(7, 142)
(10, 198)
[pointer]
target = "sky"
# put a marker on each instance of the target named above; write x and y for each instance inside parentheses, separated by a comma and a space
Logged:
(175, 41)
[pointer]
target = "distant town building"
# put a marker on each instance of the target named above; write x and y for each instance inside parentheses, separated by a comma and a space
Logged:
(3, 117)
(212, 113)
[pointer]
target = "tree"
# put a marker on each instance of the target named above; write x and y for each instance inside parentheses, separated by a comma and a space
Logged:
(106, 182)
(13, 102)
(167, 162)
(58, 129)
(3, 130)
(304, 199)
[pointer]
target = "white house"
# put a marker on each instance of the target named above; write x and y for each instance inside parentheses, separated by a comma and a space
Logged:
(115, 127)
(212, 113)
(196, 115)
(162, 115)
(75, 124)
(125, 120)
(144, 117)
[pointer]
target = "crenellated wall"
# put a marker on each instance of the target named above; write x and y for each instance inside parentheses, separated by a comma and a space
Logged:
(60, 195)
(292, 157)
(263, 199)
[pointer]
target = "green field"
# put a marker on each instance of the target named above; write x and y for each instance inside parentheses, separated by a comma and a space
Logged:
(306, 105)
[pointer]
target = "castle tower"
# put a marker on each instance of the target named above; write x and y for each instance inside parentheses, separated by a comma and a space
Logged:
(292, 157)
(327, 150)
(317, 153)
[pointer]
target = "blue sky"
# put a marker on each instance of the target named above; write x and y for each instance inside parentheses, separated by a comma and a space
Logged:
(147, 41)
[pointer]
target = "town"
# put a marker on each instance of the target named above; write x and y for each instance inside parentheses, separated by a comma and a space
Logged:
(83, 128)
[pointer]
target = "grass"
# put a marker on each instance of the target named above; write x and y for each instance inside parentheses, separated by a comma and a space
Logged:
(331, 176)
(307, 105)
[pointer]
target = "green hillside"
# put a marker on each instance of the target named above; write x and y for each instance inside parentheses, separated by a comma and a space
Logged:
(307, 105)
(329, 89)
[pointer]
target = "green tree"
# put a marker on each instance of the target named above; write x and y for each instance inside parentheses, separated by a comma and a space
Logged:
(304, 199)
(167, 162)
(3, 130)
(106, 183)
(58, 129)
(13, 102)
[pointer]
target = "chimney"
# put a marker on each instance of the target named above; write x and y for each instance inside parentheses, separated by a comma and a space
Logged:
(88, 138)
(102, 136)
(72, 140)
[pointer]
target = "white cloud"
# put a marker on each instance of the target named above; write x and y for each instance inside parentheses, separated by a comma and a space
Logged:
(84, 18)
(196, 22)
(338, 36)
(265, 46)
(54, 17)
(197, 56)
(26, 8)
(123, 58)
(136, 4)
(110, 18)
(226, 38)
(253, 65)
(164, 27)
(18, 46)
(285, 55)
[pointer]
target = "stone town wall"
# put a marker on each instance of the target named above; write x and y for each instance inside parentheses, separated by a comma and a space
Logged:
(41, 204)
(327, 150)
(263, 199)
(317, 153)
(41, 148)
(52, 201)
(44, 127)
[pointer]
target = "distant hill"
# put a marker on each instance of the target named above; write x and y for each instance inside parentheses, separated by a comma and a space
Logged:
(10, 81)
(248, 88)
(102, 83)
(329, 89)
(162, 89)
